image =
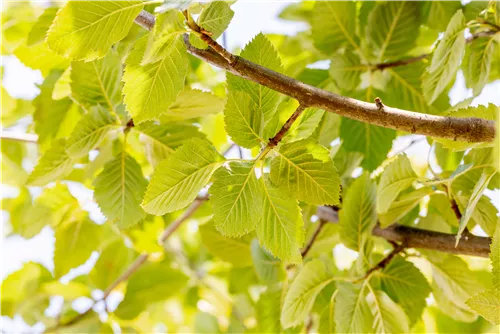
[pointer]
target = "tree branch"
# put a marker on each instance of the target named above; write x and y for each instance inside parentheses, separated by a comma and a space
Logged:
(311, 241)
(288, 124)
(468, 129)
(424, 239)
(385, 261)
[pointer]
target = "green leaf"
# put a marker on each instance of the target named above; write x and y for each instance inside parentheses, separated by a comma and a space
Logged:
(214, 18)
(192, 103)
(236, 199)
(393, 28)
(75, 241)
(268, 311)
(388, 316)
(397, 176)
(305, 170)
(62, 87)
(403, 205)
(487, 305)
(70, 290)
(477, 193)
(178, 179)
(262, 52)
(334, 25)
(243, 119)
(358, 216)
(352, 312)
(477, 63)
(439, 13)
(149, 90)
(168, 29)
(161, 140)
(495, 258)
(446, 59)
(302, 293)
(269, 269)
(113, 261)
(86, 30)
(281, 230)
(97, 82)
(90, 131)
(54, 165)
(406, 285)
(42, 24)
(346, 70)
(152, 283)
(235, 251)
(119, 189)
(40, 57)
(374, 142)
(453, 283)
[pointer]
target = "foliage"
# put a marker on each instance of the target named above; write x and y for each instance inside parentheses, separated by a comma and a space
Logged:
(209, 189)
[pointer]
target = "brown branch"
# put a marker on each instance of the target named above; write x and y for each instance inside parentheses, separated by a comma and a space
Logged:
(401, 62)
(385, 261)
(468, 129)
(311, 241)
(288, 124)
(424, 239)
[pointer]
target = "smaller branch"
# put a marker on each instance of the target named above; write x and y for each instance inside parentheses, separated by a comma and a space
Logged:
(402, 62)
(309, 245)
(17, 136)
(480, 34)
(288, 124)
(385, 261)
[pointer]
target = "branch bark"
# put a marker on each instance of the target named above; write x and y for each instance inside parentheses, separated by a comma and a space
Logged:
(468, 129)
(424, 239)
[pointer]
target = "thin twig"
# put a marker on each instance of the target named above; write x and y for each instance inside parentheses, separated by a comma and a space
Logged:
(385, 261)
(288, 124)
(309, 245)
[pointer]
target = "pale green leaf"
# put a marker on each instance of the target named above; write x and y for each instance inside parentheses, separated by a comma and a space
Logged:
(75, 241)
(446, 59)
(346, 70)
(86, 30)
(439, 13)
(477, 63)
(178, 179)
(477, 193)
(214, 18)
(113, 261)
(397, 176)
(149, 90)
(119, 189)
(404, 204)
(235, 251)
(42, 24)
(262, 52)
(90, 131)
(358, 215)
(487, 305)
(40, 57)
(192, 103)
(168, 29)
(98, 81)
(495, 258)
(152, 283)
(311, 123)
(374, 142)
(453, 283)
(268, 311)
(54, 165)
(62, 87)
(388, 316)
(393, 28)
(70, 290)
(236, 199)
(406, 285)
(305, 170)
(243, 120)
(281, 229)
(269, 269)
(352, 312)
(334, 25)
(161, 140)
(303, 291)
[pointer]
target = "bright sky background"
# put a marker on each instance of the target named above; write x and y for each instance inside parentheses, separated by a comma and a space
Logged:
(251, 17)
